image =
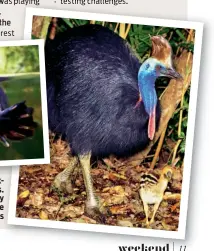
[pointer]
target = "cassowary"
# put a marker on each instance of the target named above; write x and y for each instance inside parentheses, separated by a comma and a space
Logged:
(100, 98)
(16, 122)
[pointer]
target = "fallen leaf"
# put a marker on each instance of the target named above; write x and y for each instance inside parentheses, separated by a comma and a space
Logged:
(113, 196)
(24, 194)
(37, 199)
(43, 215)
(121, 209)
(125, 223)
(70, 211)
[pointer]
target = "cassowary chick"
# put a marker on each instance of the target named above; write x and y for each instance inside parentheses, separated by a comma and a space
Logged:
(152, 191)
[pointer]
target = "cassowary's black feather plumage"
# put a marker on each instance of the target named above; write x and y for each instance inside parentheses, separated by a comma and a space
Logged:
(92, 88)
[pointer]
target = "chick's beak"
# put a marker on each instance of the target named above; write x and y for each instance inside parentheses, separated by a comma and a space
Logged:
(170, 73)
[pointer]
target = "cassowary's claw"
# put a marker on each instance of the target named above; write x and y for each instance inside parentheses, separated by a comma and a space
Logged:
(94, 209)
(17, 122)
(25, 127)
(4, 141)
(94, 212)
(25, 116)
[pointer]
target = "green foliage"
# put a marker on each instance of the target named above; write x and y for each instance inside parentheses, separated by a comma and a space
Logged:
(19, 59)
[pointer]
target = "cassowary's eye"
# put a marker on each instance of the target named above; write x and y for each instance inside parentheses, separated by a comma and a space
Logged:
(158, 68)
(147, 66)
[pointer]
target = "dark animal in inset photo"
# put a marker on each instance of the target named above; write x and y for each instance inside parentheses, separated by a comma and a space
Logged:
(102, 99)
(16, 121)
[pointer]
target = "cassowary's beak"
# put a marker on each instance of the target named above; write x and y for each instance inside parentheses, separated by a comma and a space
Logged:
(170, 73)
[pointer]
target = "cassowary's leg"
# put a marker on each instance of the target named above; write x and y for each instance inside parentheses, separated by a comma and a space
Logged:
(92, 203)
(63, 180)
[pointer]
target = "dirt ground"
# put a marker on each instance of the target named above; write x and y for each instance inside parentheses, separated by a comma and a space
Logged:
(115, 182)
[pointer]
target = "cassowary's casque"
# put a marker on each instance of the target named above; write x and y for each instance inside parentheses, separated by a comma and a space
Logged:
(16, 122)
(100, 97)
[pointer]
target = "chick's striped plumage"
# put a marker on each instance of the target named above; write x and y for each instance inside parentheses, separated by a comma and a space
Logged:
(147, 180)
(152, 190)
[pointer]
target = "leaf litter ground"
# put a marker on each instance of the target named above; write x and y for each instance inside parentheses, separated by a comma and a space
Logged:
(116, 183)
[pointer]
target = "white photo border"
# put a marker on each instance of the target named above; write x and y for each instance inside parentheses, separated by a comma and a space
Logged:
(46, 159)
(180, 234)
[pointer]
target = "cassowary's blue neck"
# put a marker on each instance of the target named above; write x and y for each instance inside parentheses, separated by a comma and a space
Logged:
(146, 82)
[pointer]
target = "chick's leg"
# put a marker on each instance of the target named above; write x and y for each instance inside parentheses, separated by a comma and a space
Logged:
(63, 180)
(146, 210)
(92, 203)
(156, 206)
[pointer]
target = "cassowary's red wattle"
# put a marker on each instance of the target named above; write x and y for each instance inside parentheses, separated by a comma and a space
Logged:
(151, 126)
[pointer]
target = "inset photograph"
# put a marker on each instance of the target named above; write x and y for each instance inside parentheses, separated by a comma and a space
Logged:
(121, 106)
(22, 134)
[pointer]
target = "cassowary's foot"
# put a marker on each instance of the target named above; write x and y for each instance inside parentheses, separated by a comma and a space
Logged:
(62, 181)
(62, 184)
(93, 210)
(92, 203)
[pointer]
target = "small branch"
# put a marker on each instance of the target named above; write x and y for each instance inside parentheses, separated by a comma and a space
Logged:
(58, 210)
(127, 31)
(122, 30)
(175, 196)
(175, 150)
(40, 26)
(157, 152)
(174, 163)
(170, 36)
(115, 30)
(149, 156)
(181, 114)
